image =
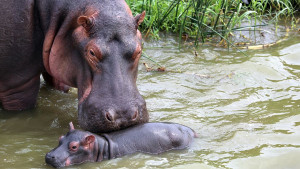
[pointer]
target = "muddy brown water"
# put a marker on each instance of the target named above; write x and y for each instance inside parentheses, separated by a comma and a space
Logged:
(246, 110)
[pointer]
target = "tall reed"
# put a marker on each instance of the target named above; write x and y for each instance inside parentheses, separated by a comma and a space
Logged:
(203, 19)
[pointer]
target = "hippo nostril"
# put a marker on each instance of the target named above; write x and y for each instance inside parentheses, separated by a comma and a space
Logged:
(135, 115)
(50, 156)
(109, 117)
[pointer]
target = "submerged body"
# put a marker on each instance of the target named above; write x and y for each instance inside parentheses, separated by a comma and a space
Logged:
(78, 146)
(93, 45)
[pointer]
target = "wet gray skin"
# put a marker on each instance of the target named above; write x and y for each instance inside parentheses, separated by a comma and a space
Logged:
(78, 146)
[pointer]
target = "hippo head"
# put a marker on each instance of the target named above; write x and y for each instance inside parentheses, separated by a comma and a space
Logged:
(98, 52)
(75, 147)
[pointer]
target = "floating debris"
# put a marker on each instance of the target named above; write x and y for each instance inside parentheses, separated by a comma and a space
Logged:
(150, 69)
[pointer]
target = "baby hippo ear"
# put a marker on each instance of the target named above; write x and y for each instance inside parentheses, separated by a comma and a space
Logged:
(71, 126)
(86, 22)
(89, 139)
(140, 18)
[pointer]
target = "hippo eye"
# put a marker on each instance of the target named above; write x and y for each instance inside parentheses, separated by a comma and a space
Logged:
(73, 146)
(92, 52)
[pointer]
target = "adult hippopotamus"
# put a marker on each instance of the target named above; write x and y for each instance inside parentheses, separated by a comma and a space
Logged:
(78, 146)
(93, 45)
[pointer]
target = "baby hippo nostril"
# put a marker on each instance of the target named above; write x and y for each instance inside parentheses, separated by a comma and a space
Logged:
(135, 115)
(49, 156)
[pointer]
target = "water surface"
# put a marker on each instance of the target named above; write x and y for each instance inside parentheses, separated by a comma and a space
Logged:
(246, 110)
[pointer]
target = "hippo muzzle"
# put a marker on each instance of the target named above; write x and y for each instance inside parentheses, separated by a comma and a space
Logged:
(56, 159)
(107, 116)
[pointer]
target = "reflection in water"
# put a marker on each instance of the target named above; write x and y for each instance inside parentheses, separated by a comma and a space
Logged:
(246, 110)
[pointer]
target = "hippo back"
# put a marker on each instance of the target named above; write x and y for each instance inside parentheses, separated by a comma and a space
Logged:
(153, 138)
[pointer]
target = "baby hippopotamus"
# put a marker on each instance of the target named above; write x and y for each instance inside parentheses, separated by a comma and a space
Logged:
(78, 146)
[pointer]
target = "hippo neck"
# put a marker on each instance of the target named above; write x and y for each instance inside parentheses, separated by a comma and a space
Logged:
(103, 148)
(112, 150)
(119, 146)
(57, 20)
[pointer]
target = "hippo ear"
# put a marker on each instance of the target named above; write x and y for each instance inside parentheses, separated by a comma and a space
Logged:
(71, 126)
(89, 139)
(140, 18)
(86, 22)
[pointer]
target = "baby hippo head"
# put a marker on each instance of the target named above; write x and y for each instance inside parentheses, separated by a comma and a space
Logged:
(75, 147)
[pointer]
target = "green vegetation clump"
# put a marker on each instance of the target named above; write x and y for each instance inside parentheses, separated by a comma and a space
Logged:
(203, 19)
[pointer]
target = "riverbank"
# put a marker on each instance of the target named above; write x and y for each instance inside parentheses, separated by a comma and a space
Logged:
(200, 21)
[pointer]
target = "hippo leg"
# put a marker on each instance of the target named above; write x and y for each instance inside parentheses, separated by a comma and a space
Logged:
(22, 97)
(55, 83)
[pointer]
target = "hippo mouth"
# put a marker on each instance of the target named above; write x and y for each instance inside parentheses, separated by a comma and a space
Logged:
(53, 162)
(86, 93)
(93, 121)
(68, 162)
(63, 163)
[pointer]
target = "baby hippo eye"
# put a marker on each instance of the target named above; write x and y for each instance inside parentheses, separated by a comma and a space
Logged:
(73, 146)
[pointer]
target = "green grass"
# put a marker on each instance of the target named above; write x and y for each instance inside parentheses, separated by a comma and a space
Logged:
(204, 19)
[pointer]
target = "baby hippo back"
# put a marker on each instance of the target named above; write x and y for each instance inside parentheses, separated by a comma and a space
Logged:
(153, 138)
